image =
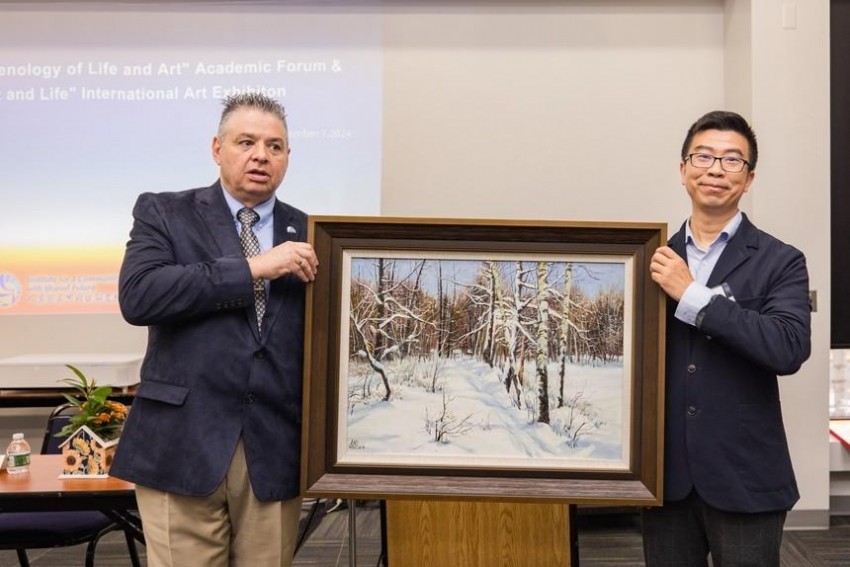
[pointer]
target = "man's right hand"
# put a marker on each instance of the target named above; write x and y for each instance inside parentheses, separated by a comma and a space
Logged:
(297, 258)
(670, 272)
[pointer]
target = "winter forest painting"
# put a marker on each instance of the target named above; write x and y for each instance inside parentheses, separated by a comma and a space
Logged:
(516, 360)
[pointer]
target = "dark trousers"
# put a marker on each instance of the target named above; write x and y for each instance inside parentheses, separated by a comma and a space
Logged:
(682, 534)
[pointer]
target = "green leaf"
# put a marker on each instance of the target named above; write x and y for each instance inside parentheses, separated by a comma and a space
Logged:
(73, 400)
(101, 393)
(80, 375)
(65, 431)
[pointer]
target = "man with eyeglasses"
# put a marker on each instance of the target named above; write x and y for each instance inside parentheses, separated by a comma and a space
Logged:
(738, 316)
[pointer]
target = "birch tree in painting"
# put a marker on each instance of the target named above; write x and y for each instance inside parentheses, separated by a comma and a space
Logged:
(568, 332)
(542, 342)
(511, 308)
(443, 316)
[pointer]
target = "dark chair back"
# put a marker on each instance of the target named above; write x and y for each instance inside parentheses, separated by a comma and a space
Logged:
(57, 419)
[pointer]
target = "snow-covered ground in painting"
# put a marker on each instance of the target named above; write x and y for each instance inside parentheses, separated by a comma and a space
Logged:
(496, 430)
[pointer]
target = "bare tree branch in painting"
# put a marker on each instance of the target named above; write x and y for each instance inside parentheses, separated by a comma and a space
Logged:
(390, 317)
(358, 384)
(607, 324)
(368, 351)
(479, 313)
(367, 318)
(413, 305)
(434, 371)
(582, 419)
(378, 337)
(361, 315)
(446, 424)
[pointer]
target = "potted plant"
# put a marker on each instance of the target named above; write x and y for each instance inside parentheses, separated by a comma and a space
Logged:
(93, 430)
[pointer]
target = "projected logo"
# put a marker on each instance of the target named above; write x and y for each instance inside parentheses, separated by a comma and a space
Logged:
(10, 290)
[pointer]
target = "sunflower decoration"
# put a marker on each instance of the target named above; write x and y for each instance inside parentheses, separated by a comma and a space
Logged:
(93, 466)
(104, 417)
(73, 461)
(82, 446)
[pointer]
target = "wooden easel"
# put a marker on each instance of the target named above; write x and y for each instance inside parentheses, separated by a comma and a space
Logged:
(438, 533)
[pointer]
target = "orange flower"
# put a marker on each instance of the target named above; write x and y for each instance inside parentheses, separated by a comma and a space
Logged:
(103, 416)
(117, 410)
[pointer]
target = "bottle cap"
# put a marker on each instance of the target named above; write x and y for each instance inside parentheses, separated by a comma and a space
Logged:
(17, 436)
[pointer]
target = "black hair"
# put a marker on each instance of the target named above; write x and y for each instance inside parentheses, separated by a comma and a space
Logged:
(723, 120)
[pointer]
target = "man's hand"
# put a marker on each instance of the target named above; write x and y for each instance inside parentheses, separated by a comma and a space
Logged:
(670, 272)
(297, 258)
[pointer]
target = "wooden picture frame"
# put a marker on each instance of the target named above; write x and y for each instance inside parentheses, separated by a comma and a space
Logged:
(360, 408)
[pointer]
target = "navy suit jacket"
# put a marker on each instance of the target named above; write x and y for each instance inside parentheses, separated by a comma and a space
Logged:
(209, 377)
(724, 429)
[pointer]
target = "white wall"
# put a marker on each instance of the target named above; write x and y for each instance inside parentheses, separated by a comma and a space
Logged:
(578, 111)
(574, 111)
(790, 112)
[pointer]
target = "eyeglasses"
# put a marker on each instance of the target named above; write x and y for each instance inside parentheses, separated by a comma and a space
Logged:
(729, 164)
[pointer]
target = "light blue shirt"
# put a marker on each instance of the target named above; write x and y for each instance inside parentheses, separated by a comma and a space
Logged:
(701, 263)
(263, 228)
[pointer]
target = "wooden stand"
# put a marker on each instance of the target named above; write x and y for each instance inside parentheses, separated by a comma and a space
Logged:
(422, 533)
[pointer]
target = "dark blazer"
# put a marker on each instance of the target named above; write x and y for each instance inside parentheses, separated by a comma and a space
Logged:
(724, 430)
(208, 376)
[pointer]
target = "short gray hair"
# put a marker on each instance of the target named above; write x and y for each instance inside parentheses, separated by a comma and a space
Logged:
(255, 100)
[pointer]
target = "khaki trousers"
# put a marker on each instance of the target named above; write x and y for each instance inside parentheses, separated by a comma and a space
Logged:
(229, 528)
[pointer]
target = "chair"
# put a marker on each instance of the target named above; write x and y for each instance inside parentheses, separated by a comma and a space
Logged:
(38, 530)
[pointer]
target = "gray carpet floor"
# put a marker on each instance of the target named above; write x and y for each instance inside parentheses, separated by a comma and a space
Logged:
(605, 540)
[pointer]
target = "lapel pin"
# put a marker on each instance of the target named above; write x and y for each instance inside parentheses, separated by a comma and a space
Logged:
(291, 230)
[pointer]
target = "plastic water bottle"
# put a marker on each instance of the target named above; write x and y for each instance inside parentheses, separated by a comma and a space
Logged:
(18, 455)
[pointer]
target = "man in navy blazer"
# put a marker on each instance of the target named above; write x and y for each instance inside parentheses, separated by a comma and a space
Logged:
(213, 437)
(738, 316)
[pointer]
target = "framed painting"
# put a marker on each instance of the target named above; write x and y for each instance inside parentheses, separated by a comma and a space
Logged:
(484, 359)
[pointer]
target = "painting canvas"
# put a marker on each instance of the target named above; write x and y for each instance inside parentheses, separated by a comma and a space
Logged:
(504, 359)
(474, 360)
